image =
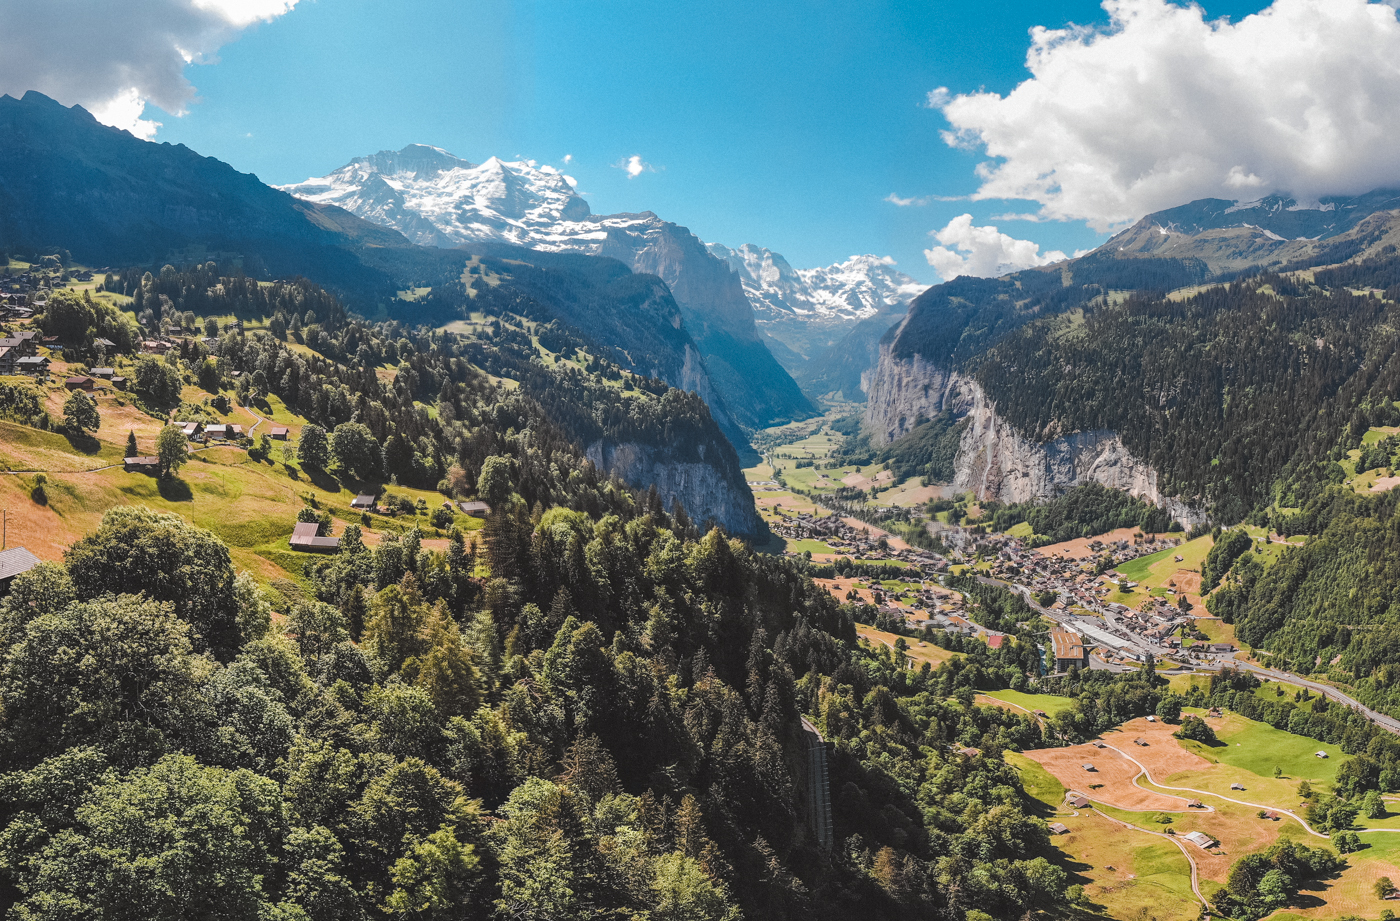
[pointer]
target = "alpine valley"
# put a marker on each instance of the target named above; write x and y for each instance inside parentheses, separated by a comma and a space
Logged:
(411, 542)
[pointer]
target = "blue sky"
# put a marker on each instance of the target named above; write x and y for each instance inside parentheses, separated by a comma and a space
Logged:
(783, 124)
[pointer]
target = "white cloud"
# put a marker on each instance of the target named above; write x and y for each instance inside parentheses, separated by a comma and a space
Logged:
(922, 200)
(1162, 107)
(568, 158)
(635, 166)
(982, 251)
(113, 58)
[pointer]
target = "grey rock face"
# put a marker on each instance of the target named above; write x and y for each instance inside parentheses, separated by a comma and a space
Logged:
(994, 460)
(701, 489)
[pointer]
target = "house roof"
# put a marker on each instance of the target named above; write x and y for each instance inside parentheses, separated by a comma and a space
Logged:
(15, 561)
(279, 430)
(304, 535)
(363, 500)
(995, 640)
(143, 460)
(1068, 644)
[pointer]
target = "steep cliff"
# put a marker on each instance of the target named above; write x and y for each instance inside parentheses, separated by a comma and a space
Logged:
(902, 392)
(994, 460)
(702, 488)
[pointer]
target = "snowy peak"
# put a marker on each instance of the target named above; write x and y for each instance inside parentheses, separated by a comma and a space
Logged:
(852, 290)
(438, 199)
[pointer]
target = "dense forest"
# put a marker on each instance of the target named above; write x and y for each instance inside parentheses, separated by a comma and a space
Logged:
(1226, 393)
(1080, 512)
(564, 406)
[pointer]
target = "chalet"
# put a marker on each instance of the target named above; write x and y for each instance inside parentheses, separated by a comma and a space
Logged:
(105, 344)
(51, 343)
(1237, 786)
(1069, 648)
(475, 508)
(12, 563)
(1090, 768)
(1222, 647)
(223, 431)
(191, 430)
(155, 347)
(304, 537)
(1058, 828)
(7, 360)
(1077, 801)
(1199, 838)
(970, 752)
(142, 464)
(363, 502)
(32, 364)
(80, 382)
(118, 380)
(26, 343)
(1320, 754)
(105, 373)
(279, 432)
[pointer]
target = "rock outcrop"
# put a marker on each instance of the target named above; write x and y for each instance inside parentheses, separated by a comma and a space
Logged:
(994, 460)
(702, 489)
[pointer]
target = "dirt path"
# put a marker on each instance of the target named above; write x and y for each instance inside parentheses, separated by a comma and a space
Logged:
(1228, 799)
(1195, 875)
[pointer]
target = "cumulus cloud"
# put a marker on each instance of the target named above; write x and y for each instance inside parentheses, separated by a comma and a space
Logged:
(113, 58)
(982, 251)
(635, 166)
(568, 158)
(1163, 106)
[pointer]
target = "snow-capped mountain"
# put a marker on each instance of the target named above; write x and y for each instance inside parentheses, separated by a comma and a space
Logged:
(807, 310)
(852, 290)
(435, 198)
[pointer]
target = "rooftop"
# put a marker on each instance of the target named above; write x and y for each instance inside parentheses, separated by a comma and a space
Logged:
(15, 561)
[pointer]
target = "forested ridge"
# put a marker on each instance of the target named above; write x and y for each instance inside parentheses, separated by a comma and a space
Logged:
(575, 403)
(1224, 393)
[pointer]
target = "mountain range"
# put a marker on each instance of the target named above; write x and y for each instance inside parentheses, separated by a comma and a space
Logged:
(733, 300)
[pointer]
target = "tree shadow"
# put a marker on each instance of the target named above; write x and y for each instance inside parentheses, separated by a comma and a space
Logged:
(322, 479)
(292, 472)
(83, 443)
(173, 489)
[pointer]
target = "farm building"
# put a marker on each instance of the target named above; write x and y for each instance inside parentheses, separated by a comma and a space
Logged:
(1058, 828)
(191, 430)
(279, 433)
(1200, 839)
(32, 364)
(1089, 767)
(1236, 786)
(304, 537)
(80, 382)
(104, 373)
(363, 502)
(475, 508)
(142, 464)
(1077, 801)
(1320, 754)
(12, 563)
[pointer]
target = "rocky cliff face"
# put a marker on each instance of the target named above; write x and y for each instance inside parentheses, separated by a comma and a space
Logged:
(902, 392)
(701, 488)
(994, 460)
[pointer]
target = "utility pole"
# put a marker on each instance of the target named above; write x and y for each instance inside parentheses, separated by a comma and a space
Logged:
(4, 526)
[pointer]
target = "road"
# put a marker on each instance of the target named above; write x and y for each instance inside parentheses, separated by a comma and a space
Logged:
(1388, 723)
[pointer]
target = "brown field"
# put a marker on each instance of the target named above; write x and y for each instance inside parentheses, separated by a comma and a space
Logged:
(896, 543)
(1113, 774)
(1188, 581)
(1384, 483)
(1162, 755)
(1078, 549)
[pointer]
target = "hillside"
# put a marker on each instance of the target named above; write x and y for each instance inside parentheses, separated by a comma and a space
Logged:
(1145, 369)
(441, 200)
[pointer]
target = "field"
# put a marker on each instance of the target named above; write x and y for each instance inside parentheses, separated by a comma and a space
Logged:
(1050, 703)
(1158, 571)
(1247, 754)
(919, 651)
(250, 505)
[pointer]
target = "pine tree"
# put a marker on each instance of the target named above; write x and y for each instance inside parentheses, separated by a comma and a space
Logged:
(131, 450)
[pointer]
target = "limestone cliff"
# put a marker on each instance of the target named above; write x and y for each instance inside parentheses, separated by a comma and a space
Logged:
(702, 488)
(994, 460)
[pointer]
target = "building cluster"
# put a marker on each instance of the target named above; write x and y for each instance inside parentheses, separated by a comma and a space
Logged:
(19, 354)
